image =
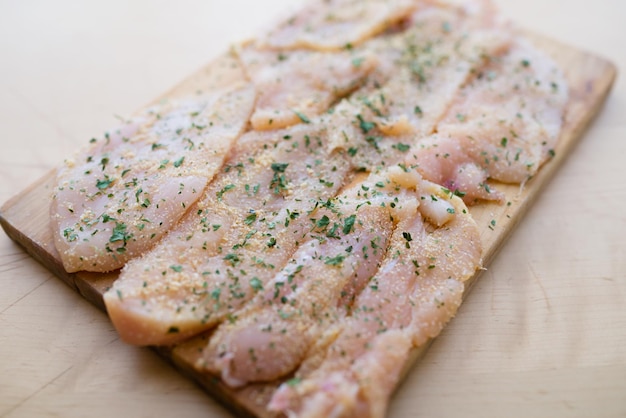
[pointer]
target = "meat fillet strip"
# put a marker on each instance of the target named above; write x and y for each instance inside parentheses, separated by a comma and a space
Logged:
(295, 86)
(244, 230)
(117, 198)
(343, 251)
(421, 71)
(503, 124)
(416, 291)
(509, 115)
(337, 24)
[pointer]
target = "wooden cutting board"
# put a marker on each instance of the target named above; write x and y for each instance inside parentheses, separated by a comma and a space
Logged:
(25, 217)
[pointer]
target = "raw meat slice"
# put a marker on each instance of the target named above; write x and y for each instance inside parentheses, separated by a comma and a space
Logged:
(421, 71)
(245, 229)
(337, 24)
(415, 293)
(504, 124)
(270, 340)
(508, 117)
(270, 337)
(295, 86)
(443, 160)
(117, 198)
(424, 66)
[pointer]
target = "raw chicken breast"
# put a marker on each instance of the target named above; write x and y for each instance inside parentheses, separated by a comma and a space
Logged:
(337, 24)
(424, 66)
(233, 242)
(295, 86)
(504, 124)
(443, 160)
(270, 337)
(509, 116)
(117, 198)
(421, 71)
(416, 291)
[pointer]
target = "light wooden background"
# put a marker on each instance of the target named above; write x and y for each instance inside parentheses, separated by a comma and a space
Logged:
(542, 334)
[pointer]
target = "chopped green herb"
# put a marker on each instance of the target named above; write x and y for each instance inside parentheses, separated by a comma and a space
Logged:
(364, 125)
(119, 233)
(179, 162)
(302, 117)
(459, 193)
(104, 183)
(106, 218)
(401, 147)
(224, 190)
(256, 284)
(233, 258)
(323, 222)
(335, 261)
(358, 61)
(332, 233)
(250, 219)
(348, 224)
(279, 182)
(279, 167)
(69, 234)
(373, 141)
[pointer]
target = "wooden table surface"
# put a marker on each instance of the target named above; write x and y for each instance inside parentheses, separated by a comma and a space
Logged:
(542, 334)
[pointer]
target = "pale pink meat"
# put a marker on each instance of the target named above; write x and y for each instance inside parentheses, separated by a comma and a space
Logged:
(343, 251)
(503, 125)
(295, 86)
(337, 24)
(421, 70)
(233, 242)
(414, 294)
(443, 160)
(271, 336)
(509, 115)
(116, 199)
(424, 66)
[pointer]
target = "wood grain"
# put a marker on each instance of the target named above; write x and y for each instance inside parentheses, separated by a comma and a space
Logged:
(25, 217)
